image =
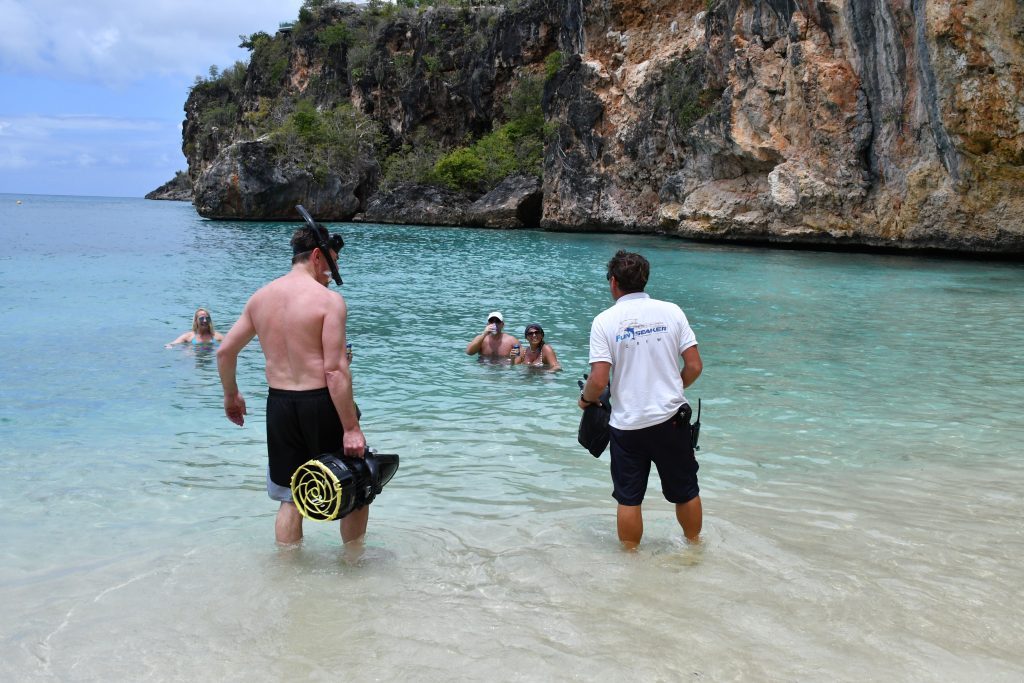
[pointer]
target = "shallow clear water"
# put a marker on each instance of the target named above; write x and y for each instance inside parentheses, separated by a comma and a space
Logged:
(861, 465)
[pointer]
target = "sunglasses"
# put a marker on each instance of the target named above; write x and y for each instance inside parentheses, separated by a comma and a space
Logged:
(534, 333)
(204, 319)
(495, 321)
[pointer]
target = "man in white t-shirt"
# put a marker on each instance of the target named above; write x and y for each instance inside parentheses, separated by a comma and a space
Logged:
(636, 344)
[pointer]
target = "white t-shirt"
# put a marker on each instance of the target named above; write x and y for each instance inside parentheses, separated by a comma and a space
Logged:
(642, 338)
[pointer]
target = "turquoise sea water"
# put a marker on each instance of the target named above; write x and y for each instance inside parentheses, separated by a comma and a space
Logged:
(861, 465)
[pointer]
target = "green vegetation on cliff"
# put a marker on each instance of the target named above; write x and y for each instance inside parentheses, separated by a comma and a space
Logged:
(416, 91)
(683, 95)
(516, 146)
(322, 141)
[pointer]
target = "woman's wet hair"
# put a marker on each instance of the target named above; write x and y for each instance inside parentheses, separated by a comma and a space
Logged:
(630, 271)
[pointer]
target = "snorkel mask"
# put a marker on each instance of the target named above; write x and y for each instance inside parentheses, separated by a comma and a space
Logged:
(326, 242)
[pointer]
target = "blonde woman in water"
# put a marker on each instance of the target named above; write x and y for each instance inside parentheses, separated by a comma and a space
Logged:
(202, 331)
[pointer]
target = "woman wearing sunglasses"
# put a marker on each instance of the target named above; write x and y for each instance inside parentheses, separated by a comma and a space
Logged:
(539, 354)
(202, 332)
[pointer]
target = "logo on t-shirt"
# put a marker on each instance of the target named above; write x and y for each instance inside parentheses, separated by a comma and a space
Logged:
(633, 330)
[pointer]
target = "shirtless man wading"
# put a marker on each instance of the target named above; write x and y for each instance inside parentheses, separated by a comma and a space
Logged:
(492, 342)
(310, 410)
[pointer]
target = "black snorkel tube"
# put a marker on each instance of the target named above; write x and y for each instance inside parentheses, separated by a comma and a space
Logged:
(325, 241)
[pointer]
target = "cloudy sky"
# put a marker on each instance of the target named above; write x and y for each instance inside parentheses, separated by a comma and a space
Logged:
(92, 92)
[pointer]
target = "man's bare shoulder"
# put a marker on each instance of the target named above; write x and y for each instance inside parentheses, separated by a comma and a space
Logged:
(269, 289)
(290, 284)
(290, 291)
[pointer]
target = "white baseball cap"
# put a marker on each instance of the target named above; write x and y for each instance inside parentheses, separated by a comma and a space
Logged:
(495, 314)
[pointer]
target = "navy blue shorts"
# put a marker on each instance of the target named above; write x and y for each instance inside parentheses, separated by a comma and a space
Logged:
(668, 446)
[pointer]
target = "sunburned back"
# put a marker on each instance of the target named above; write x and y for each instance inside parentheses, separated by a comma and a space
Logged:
(288, 315)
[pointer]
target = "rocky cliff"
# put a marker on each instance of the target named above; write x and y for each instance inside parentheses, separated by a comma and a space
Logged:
(874, 123)
(178, 188)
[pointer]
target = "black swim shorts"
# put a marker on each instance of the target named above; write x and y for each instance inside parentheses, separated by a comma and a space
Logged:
(668, 446)
(300, 426)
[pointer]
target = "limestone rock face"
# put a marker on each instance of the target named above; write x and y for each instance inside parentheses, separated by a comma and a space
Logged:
(514, 203)
(417, 205)
(178, 188)
(877, 123)
(852, 122)
(443, 71)
(245, 181)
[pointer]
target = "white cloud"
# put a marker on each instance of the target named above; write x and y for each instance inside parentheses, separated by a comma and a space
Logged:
(111, 42)
(35, 127)
(81, 141)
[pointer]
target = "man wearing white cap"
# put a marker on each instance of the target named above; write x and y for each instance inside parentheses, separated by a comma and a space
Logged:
(492, 342)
